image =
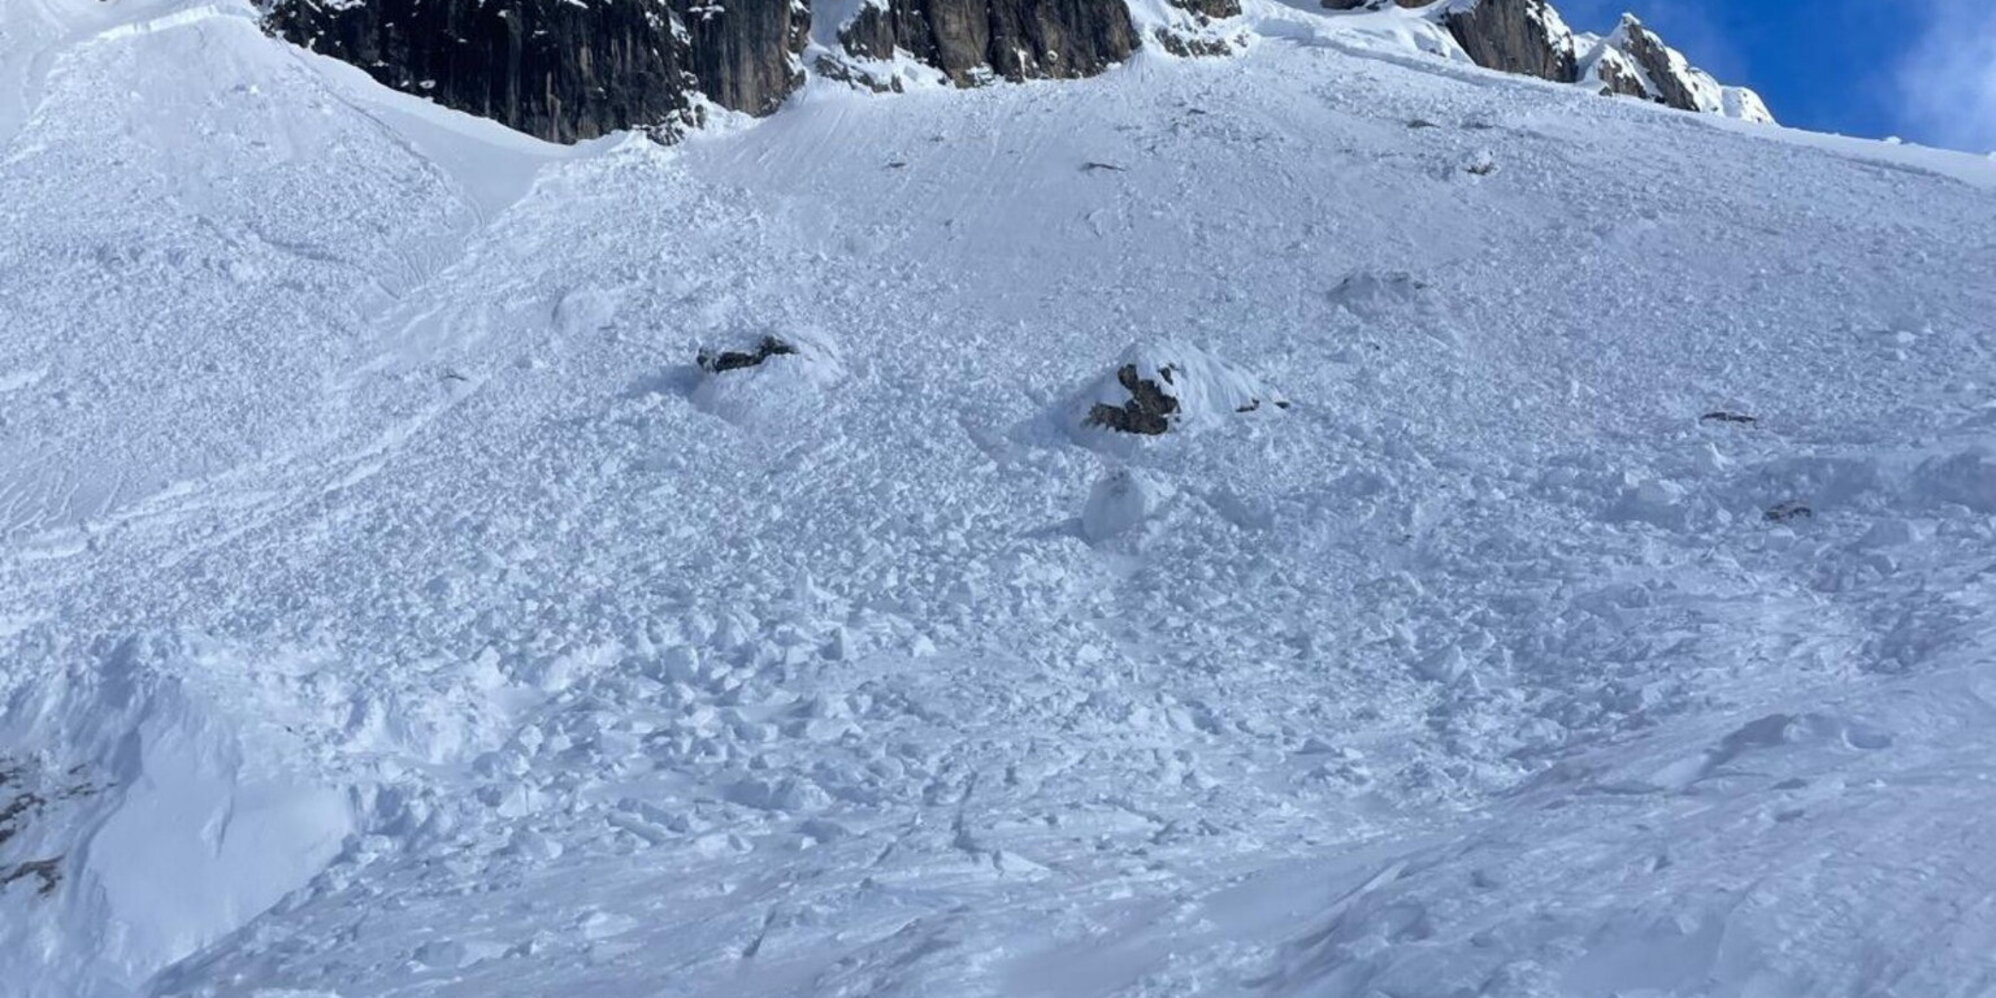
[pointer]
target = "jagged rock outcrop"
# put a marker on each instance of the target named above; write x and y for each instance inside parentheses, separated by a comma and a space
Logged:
(1529, 37)
(1635, 62)
(1516, 36)
(567, 70)
(1614, 72)
(1669, 75)
(559, 69)
(973, 40)
(1210, 9)
(1372, 4)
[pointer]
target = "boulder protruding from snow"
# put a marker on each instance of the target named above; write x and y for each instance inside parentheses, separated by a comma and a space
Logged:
(1155, 389)
(715, 361)
(765, 378)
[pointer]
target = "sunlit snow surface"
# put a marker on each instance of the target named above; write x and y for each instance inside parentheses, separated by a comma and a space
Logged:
(388, 606)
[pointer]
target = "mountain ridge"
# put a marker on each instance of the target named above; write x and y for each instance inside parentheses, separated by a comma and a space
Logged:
(567, 71)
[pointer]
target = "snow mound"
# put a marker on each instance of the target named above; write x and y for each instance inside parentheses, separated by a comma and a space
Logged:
(149, 822)
(1121, 501)
(780, 378)
(1156, 388)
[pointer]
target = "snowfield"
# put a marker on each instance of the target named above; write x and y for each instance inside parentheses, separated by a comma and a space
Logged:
(390, 606)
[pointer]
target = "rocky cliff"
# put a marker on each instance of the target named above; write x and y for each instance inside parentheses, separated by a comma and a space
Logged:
(560, 69)
(1530, 37)
(567, 70)
(1633, 61)
(972, 40)
(1516, 36)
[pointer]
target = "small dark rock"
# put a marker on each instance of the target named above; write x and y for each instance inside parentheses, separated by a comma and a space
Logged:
(1790, 510)
(730, 360)
(973, 41)
(1723, 416)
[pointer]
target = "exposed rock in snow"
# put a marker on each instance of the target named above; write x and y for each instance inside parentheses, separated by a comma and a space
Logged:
(972, 41)
(1158, 388)
(1634, 62)
(715, 361)
(768, 380)
(562, 70)
(566, 71)
(1516, 36)
(541, 679)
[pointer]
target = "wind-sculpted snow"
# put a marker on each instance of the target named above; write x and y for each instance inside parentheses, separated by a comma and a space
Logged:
(452, 632)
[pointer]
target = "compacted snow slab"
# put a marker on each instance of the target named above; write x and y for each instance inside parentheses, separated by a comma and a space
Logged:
(154, 816)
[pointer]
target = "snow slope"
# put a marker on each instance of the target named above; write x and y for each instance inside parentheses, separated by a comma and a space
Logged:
(388, 606)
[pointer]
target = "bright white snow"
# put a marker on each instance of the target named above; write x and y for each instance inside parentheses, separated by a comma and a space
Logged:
(389, 606)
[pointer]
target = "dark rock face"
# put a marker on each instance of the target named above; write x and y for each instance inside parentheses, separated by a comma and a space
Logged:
(1372, 4)
(1516, 36)
(1649, 52)
(743, 51)
(1210, 9)
(1617, 78)
(970, 40)
(558, 69)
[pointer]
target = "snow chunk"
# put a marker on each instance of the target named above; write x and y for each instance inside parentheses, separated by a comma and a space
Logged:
(1967, 479)
(1120, 502)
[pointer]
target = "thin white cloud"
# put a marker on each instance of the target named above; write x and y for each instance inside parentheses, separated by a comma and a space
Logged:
(1947, 81)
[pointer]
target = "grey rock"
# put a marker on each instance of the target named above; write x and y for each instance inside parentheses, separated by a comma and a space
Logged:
(1515, 36)
(1149, 410)
(1648, 51)
(1209, 9)
(1617, 77)
(560, 70)
(973, 40)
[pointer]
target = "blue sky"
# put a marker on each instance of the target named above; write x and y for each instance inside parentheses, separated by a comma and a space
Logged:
(1924, 70)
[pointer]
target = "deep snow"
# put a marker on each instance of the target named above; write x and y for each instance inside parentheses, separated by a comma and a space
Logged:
(389, 606)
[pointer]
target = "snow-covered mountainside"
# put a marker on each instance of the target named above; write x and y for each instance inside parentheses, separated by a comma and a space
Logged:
(1326, 521)
(577, 69)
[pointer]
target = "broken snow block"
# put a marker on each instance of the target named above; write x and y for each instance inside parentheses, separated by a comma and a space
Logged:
(1156, 389)
(1121, 501)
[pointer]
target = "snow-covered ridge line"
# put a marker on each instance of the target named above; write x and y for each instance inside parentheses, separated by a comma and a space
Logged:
(586, 69)
(1530, 37)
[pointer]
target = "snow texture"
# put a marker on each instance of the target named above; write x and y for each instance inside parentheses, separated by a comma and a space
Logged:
(390, 606)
